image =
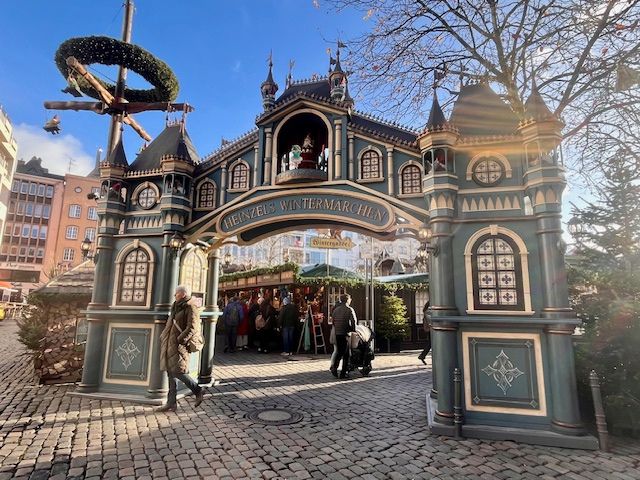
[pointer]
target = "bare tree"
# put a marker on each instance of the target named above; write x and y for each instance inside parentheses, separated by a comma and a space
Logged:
(581, 53)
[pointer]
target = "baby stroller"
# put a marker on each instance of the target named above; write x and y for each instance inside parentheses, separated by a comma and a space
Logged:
(361, 353)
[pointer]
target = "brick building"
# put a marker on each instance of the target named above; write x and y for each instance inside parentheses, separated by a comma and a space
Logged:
(48, 217)
(8, 151)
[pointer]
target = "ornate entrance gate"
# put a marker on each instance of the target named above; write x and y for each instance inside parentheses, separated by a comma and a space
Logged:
(487, 188)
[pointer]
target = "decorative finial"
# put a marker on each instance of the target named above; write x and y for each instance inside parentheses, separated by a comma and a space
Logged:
(290, 75)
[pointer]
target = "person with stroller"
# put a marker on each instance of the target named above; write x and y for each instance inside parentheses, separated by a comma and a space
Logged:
(344, 322)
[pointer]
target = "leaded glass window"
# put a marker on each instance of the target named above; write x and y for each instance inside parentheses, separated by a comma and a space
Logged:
(411, 179)
(134, 280)
(192, 273)
(207, 195)
(147, 198)
(370, 166)
(240, 177)
(497, 274)
(488, 171)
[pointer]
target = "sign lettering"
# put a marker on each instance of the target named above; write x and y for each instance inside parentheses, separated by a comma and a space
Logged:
(316, 205)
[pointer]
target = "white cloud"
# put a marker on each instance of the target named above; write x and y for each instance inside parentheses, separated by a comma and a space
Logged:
(55, 151)
(236, 66)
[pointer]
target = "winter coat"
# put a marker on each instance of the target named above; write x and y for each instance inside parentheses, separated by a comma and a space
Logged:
(226, 314)
(269, 314)
(288, 316)
(344, 319)
(174, 357)
(243, 326)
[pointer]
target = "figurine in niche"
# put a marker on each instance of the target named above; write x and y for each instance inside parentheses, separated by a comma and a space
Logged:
(295, 157)
(308, 160)
(178, 186)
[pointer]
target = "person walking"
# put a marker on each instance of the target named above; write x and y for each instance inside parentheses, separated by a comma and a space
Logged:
(232, 316)
(181, 329)
(427, 328)
(344, 322)
(287, 321)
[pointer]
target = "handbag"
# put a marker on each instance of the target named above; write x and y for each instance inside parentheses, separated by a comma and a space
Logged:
(195, 343)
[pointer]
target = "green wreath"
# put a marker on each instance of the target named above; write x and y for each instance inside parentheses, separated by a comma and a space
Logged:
(109, 51)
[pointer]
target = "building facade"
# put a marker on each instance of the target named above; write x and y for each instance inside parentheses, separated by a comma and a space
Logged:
(485, 184)
(77, 220)
(8, 152)
(48, 218)
(30, 232)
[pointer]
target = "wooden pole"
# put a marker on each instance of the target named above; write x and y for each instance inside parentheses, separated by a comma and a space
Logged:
(116, 119)
(108, 99)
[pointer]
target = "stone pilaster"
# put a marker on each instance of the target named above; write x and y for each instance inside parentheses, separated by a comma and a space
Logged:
(444, 339)
(209, 326)
(223, 185)
(338, 155)
(168, 281)
(256, 165)
(268, 152)
(352, 156)
(562, 375)
(391, 174)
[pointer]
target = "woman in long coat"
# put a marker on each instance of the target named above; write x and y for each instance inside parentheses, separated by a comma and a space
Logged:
(182, 327)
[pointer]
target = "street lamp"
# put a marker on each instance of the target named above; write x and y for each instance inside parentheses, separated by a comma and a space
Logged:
(425, 233)
(176, 242)
(575, 226)
(85, 247)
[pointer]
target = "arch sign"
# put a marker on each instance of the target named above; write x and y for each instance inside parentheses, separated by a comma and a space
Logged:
(324, 205)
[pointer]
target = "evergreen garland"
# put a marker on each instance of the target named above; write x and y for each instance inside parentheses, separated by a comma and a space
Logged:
(109, 51)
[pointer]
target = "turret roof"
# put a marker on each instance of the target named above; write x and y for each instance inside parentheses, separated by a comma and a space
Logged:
(174, 140)
(436, 116)
(117, 156)
(479, 111)
(535, 106)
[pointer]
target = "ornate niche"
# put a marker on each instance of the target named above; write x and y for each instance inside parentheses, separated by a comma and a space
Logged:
(303, 149)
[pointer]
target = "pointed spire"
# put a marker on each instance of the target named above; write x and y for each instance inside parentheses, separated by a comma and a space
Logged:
(535, 106)
(117, 155)
(96, 168)
(269, 87)
(347, 98)
(436, 116)
(337, 77)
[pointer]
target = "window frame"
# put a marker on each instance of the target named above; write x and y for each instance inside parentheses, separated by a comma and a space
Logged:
(120, 264)
(70, 228)
(361, 159)
(213, 187)
(401, 174)
(233, 169)
(75, 211)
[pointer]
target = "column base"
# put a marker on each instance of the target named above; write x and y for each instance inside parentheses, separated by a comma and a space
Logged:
(522, 435)
(568, 428)
(86, 388)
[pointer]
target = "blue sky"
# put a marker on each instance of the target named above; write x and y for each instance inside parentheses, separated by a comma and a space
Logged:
(218, 50)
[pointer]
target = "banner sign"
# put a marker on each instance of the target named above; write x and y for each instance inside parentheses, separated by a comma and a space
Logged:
(334, 206)
(322, 242)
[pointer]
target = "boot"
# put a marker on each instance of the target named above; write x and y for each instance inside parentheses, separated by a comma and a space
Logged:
(199, 397)
(167, 408)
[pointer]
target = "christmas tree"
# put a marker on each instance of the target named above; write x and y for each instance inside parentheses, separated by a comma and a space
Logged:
(605, 289)
(391, 322)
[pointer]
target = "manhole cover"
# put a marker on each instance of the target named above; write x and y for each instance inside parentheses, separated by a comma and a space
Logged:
(274, 416)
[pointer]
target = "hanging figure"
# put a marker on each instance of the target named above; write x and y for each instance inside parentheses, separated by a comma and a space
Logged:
(53, 125)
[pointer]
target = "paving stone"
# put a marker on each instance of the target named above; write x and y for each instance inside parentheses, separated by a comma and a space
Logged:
(382, 435)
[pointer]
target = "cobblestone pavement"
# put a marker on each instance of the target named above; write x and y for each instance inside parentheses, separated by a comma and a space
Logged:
(371, 428)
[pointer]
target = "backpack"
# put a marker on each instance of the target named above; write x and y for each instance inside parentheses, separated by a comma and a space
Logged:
(232, 318)
(260, 322)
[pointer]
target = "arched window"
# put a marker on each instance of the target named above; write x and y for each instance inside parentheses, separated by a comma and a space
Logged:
(207, 195)
(410, 180)
(497, 274)
(370, 165)
(193, 271)
(240, 176)
(134, 278)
